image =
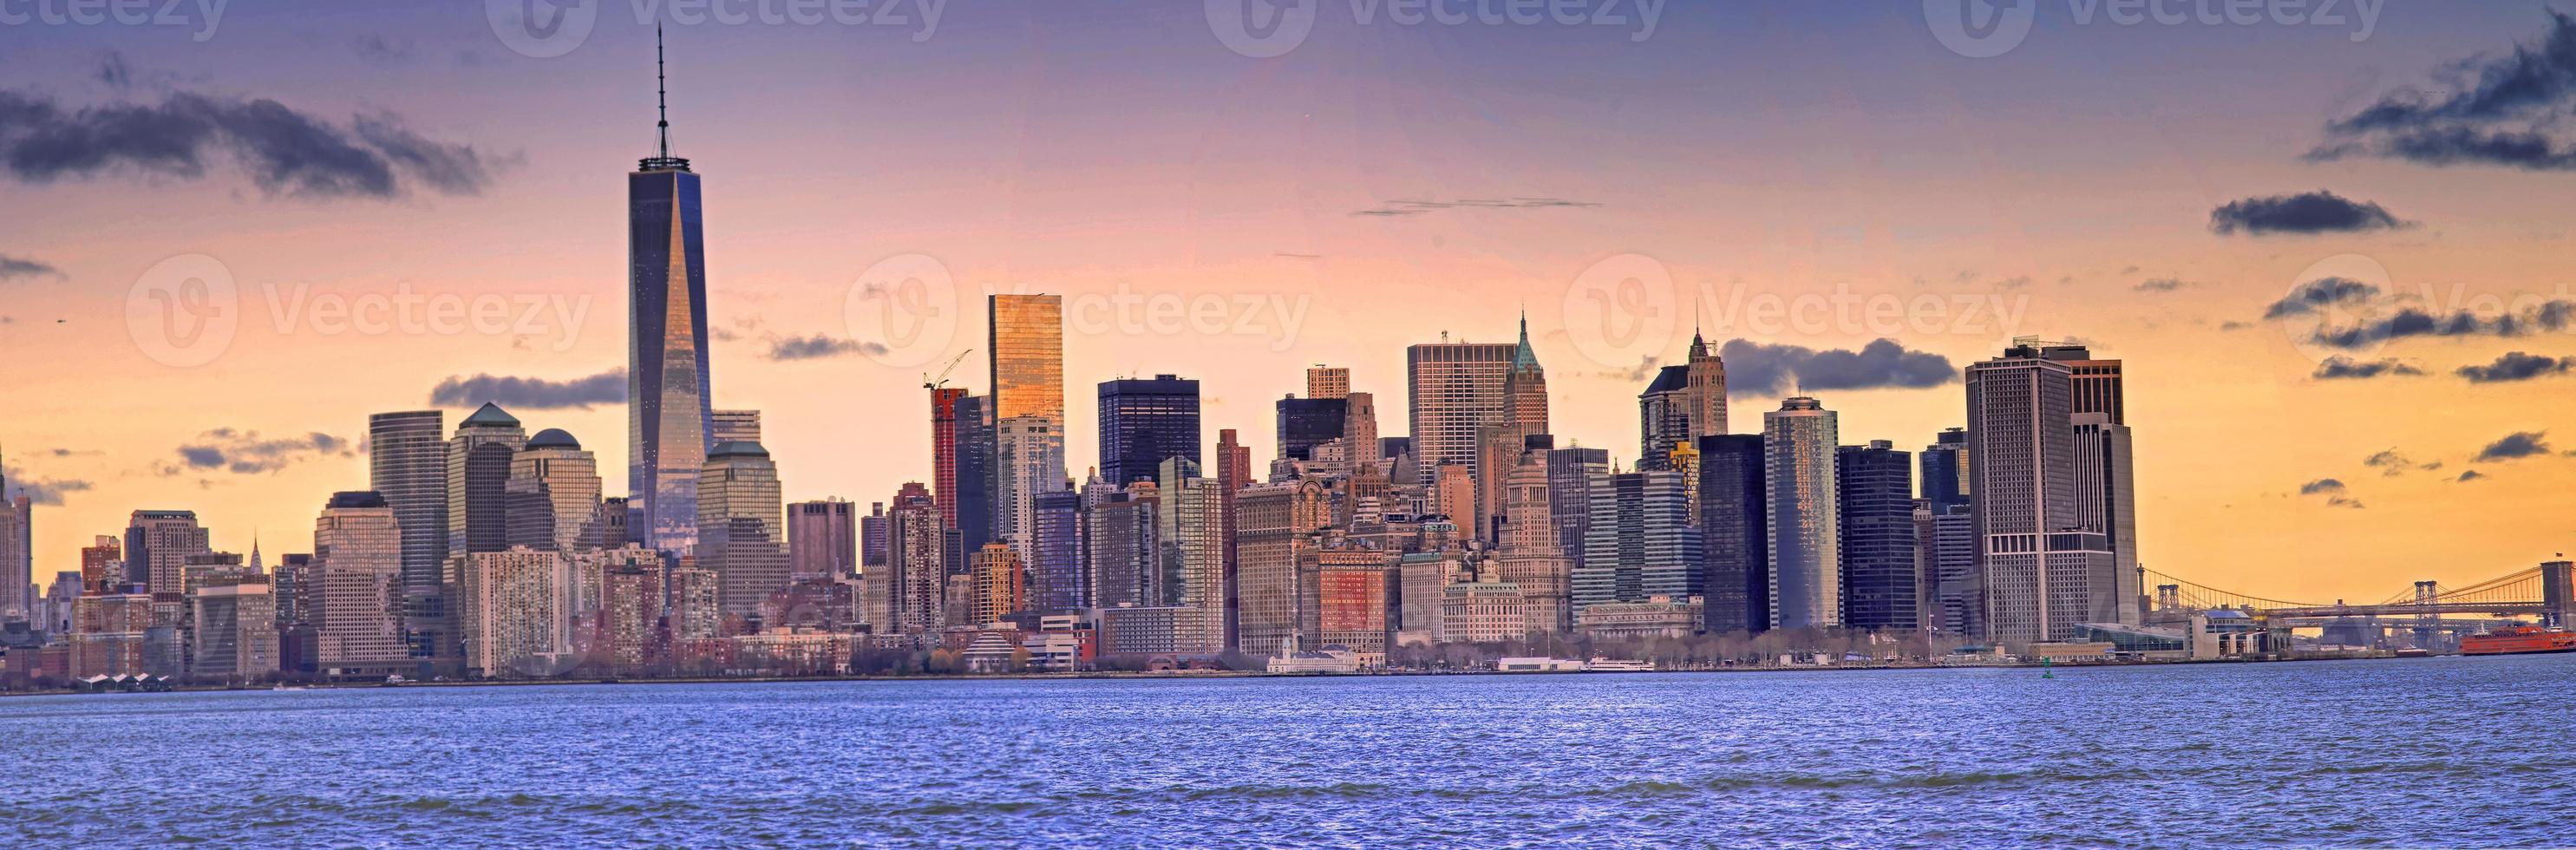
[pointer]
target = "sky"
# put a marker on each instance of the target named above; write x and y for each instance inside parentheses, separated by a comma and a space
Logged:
(2329, 244)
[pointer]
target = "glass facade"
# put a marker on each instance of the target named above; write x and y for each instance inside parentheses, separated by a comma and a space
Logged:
(1027, 346)
(667, 409)
(1798, 442)
(1305, 423)
(1735, 533)
(1875, 486)
(1144, 422)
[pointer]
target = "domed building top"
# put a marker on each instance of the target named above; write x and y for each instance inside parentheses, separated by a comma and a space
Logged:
(553, 438)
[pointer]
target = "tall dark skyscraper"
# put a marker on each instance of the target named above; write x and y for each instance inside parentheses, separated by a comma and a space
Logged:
(669, 406)
(1059, 577)
(943, 450)
(408, 467)
(1735, 533)
(1945, 470)
(974, 451)
(1876, 496)
(1305, 423)
(1144, 422)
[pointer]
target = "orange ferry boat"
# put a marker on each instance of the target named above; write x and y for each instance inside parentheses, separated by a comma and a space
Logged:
(2518, 640)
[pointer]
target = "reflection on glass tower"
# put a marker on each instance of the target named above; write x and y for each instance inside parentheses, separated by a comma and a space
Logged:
(667, 401)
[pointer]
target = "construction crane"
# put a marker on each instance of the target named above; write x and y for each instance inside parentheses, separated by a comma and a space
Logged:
(929, 383)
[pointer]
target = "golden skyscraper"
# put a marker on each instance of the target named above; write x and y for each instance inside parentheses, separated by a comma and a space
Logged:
(1027, 346)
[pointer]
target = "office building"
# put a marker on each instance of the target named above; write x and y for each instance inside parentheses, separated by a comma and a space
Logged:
(2105, 473)
(1000, 584)
(733, 426)
(970, 510)
(2041, 573)
(1875, 492)
(1026, 341)
(1533, 559)
(1945, 470)
(1028, 460)
(1327, 381)
(1735, 533)
(1453, 390)
(1192, 533)
(1798, 443)
(1144, 422)
(478, 478)
(1305, 423)
(1641, 541)
(355, 602)
(157, 544)
(1683, 403)
(235, 626)
(1273, 524)
(742, 530)
(553, 495)
(669, 411)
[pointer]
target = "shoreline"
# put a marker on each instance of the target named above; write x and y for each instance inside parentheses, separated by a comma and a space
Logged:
(1203, 674)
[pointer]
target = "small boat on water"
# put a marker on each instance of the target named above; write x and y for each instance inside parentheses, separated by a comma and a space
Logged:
(2519, 640)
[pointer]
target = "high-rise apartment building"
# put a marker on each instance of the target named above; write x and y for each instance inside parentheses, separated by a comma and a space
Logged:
(1000, 584)
(1798, 443)
(1123, 536)
(515, 608)
(943, 449)
(1144, 422)
(1192, 533)
(1875, 492)
(742, 530)
(916, 561)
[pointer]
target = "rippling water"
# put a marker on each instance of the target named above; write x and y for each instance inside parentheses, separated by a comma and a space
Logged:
(2451, 752)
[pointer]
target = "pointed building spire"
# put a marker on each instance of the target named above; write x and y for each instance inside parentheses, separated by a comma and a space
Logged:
(662, 160)
(1524, 358)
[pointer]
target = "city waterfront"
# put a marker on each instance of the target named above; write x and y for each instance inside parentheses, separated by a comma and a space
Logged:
(2441, 751)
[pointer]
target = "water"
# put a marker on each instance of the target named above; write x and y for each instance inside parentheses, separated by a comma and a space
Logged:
(2447, 752)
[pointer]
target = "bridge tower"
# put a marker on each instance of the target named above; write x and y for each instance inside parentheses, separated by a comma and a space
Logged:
(2426, 624)
(2558, 592)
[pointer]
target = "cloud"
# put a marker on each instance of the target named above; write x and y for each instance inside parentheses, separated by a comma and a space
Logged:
(12, 268)
(38, 489)
(2520, 444)
(2321, 485)
(1759, 368)
(819, 346)
(1645, 370)
(2414, 322)
(248, 453)
(2232, 325)
(374, 47)
(2162, 284)
(2517, 366)
(2321, 292)
(2470, 475)
(531, 393)
(1393, 209)
(2505, 110)
(2304, 213)
(2344, 502)
(2388, 462)
(2339, 367)
(285, 152)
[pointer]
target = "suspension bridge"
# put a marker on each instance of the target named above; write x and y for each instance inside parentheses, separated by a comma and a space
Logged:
(2544, 591)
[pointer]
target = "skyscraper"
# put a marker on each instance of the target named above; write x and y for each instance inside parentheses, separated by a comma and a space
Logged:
(1027, 344)
(357, 564)
(1000, 583)
(2106, 474)
(1570, 473)
(1454, 389)
(16, 581)
(1533, 559)
(668, 403)
(1735, 533)
(553, 494)
(2094, 385)
(1641, 541)
(1029, 460)
(1684, 402)
(1193, 557)
(1525, 386)
(1875, 492)
(1945, 470)
(515, 610)
(943, 449)
(1798, 443)
(972, 510)
(823, 538)
(1060, 575)
(1233, 473)
(733, 426)
(1327, 381)
(1145, 422)
(478, 479)
(2041, 572)
(742, 534)
(1124, 539)
(1277, 598)
(916, 561)
(1305, 423)
(157, 544)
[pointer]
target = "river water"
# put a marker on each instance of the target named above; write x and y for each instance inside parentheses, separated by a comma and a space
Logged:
(2431, 752)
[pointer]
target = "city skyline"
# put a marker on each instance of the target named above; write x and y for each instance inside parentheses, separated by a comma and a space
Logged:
(2218, 503)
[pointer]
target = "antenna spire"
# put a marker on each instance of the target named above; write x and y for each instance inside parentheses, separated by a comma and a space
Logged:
(661, 92)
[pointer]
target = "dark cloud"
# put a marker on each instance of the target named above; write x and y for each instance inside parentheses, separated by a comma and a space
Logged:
(2520, 444)
(2340, 367)
(531, 393)
(2506, 110)
(113, 72)
(286, 152)
(248, 453)
(2413, 322)
(1759, 368)
(2517, 366)
(2388, 462)
(2321, 485)
(2232, 325)
(2304, 213)
(2162, 284)
(819, 346)
(2321, 292)
(12, 268)
(2470, 475)
(38, 489)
